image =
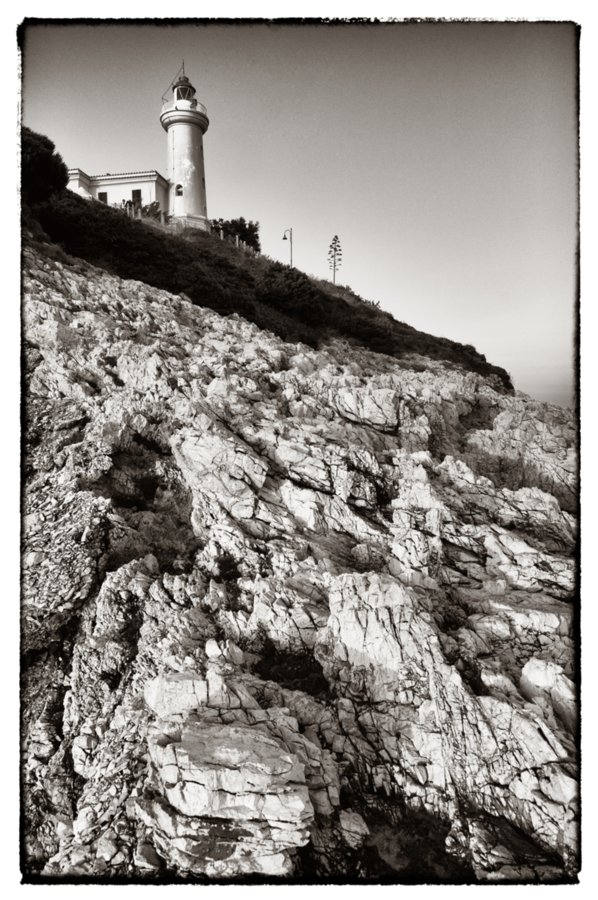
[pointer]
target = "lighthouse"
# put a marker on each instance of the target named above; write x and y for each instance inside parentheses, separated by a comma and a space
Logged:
(185, 121)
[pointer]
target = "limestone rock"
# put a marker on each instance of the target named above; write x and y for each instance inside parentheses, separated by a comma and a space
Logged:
(287, 612)
(353, 827)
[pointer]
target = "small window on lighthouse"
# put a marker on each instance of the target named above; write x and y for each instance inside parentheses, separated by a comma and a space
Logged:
(184, 93)
(179, 190)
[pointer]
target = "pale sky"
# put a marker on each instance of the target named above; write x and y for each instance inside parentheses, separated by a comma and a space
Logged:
(444, 155)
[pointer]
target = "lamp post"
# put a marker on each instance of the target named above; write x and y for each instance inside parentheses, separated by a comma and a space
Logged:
(289, 231)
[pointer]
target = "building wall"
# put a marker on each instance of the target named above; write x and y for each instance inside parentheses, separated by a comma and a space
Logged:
(119, 189)
(79, 184)
(162, 196)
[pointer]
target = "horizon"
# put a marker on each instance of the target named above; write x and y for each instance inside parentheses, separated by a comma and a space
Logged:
(444, 155)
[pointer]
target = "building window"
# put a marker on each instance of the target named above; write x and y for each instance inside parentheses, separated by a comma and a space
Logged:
(103, 197)
(184, 93)
(136, 198)
(179, 190)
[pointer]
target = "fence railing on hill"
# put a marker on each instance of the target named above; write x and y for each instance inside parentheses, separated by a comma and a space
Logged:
(158, 219)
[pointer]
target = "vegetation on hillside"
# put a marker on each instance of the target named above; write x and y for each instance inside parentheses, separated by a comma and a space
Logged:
(43, 172)
(238, 228)
(215, 274)
(335, 256)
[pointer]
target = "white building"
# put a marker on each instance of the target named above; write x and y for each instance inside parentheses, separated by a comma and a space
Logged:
(141, 188)
(183, 194)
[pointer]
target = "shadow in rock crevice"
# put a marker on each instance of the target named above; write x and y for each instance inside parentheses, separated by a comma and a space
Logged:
(517, 473)
(152, 506)
(294, 671)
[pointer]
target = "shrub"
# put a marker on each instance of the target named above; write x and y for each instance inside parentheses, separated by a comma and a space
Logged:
(233, 228)
(43, 172)
(292, 291)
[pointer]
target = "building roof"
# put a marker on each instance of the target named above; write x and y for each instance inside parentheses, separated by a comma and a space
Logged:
(120, 174)
(146, 172)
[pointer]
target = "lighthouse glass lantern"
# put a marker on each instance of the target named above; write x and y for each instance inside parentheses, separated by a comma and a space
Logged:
(183, 89)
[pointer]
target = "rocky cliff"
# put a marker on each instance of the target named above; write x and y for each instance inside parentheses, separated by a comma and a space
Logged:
(286, 612)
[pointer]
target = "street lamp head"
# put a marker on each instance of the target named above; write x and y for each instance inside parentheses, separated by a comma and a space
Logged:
(284, 237)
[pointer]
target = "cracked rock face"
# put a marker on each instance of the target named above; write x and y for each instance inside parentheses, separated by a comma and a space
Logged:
(287, 613)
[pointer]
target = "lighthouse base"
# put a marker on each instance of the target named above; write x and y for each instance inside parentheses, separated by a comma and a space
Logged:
(191, 222)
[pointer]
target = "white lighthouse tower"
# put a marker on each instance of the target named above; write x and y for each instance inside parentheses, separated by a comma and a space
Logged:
(185, 121)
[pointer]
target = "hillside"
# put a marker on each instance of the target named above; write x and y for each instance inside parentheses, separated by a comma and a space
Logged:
(289, 612)
(219, 276)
